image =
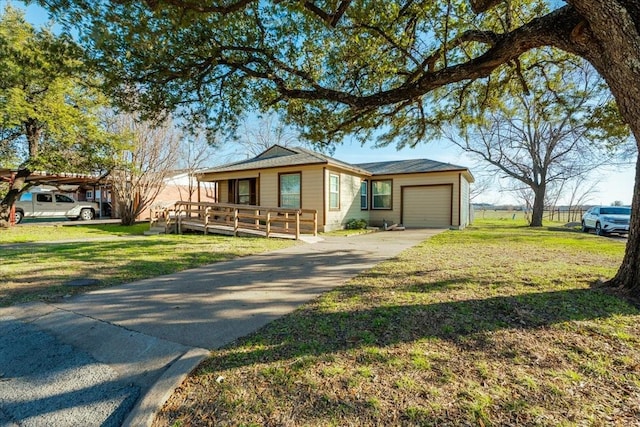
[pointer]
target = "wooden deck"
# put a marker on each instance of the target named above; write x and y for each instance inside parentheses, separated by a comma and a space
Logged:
(236, 220)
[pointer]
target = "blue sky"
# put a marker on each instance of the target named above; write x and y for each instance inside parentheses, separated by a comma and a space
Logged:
(613, 184)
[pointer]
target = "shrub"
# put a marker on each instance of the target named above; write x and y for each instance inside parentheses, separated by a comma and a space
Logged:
(356, 224)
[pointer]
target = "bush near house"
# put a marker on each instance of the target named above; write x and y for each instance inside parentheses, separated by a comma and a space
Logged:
(356, 224)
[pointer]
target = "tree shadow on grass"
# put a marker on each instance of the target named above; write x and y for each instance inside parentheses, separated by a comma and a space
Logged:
(93, 260)
(312, 332)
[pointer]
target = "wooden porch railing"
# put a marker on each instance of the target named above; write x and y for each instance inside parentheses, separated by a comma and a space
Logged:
(233, 218)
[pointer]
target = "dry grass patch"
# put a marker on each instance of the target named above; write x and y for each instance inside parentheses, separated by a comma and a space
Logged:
(495, 325)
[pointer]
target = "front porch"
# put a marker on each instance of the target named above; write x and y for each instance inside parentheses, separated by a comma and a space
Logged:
(235, 220)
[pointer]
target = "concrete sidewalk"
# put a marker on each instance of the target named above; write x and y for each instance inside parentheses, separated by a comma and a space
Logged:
(133, 344)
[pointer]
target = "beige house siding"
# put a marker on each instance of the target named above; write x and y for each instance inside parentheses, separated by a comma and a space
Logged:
(393, 216)
(269, 188)
(349, 200)
(312, 190)
(465, 202)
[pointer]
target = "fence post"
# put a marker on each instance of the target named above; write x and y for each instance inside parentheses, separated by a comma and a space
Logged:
(171, 225)
(206, 219)
(152, 213)
(235, 222)
(268, 225)
(298, 225)
(315, 223)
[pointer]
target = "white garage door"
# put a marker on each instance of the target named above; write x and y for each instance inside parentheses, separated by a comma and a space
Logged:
(427, 206)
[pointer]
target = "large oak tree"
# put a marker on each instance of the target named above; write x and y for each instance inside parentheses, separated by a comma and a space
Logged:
(50, 118)
(342, 67)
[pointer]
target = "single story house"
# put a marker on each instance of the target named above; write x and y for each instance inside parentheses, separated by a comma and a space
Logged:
(414, 193)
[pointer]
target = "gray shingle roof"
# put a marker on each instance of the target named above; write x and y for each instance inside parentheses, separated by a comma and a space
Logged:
(278, 156)
(408, 166)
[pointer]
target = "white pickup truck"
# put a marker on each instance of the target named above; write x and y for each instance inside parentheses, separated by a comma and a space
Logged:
(49, 204)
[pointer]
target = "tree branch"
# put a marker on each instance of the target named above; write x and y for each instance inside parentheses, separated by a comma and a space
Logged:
(547, 30)
(198, 6)
(480, 6)
(330, 19)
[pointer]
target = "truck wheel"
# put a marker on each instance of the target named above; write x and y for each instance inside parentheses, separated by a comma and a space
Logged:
(18, 216)
(86, 214)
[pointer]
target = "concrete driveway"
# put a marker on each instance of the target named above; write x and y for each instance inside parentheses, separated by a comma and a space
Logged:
(112, 357)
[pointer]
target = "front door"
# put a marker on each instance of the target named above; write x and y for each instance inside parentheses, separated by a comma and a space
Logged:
(243, 191)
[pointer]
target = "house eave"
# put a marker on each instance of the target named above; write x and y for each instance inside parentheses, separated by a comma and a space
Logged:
(205, 176)
(460, 170)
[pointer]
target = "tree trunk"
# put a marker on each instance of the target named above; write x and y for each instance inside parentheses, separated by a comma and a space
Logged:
(126, 212)
(628, 276)
(18, 185)
(33, 131)
(610, 41)
(126, 218)
(538, 206)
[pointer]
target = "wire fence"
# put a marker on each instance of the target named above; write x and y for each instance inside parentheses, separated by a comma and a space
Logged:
(563, 214)
(566, 215)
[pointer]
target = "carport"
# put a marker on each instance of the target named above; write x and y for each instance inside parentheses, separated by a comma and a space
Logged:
(97, 183)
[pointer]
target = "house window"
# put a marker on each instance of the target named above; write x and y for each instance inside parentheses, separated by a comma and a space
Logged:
(334, 191)
(88, 195)
(244, 192)
(381, 191)
(290, 190)
(364, 200)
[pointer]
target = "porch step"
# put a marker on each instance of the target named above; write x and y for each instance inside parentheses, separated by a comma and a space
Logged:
(309, 238)
(154, 231)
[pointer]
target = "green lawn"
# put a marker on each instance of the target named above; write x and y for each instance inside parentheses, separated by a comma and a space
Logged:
(498, 324)
(39, 261)
(40, 233)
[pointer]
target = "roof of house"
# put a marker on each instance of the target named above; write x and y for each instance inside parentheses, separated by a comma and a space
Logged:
(278, 156)
(408, 166)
